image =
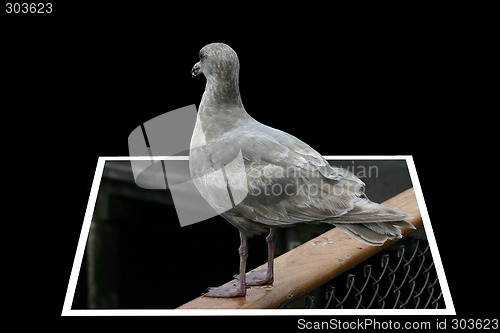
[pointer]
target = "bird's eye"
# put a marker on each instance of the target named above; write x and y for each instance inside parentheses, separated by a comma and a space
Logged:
(202, 56)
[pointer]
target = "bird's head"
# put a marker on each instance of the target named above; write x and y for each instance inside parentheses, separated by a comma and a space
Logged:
(217, 61)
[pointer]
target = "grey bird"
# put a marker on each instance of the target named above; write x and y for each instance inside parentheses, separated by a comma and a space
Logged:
(279, 180)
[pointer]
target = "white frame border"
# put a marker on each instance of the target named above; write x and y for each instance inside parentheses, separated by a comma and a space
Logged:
(75, 271)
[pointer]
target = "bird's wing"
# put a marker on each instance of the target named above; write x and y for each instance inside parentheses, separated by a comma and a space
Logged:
(288, 181)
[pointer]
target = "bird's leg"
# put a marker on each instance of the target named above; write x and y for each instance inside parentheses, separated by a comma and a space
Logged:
(260, 278)
(241, 288)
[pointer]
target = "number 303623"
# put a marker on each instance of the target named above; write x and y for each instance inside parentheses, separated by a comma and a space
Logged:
(28, 8)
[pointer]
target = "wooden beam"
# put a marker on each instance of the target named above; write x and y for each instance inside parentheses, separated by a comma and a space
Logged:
(310, 265)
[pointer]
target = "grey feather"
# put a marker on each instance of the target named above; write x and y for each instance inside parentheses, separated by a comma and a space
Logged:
(364, 234)
(312, 191)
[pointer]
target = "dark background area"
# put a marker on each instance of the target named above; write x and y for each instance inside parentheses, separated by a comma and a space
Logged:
(348, 82)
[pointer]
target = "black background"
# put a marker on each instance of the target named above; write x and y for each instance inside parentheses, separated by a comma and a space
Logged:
(348, 82)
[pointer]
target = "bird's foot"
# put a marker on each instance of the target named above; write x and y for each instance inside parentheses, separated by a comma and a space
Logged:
(260, 278)
(225, 291)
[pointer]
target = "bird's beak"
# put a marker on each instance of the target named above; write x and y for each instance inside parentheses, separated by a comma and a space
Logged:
(195, 71)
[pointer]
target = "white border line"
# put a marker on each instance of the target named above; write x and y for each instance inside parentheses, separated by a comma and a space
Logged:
(186, 158)
(80, 250)
(430, 235)
(75, 271)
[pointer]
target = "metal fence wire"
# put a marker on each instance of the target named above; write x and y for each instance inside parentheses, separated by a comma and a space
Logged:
(401, 277)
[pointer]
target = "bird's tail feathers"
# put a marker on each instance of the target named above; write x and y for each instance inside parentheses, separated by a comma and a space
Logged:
(373, 223)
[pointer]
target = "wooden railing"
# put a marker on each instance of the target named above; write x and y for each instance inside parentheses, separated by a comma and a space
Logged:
(310, 265)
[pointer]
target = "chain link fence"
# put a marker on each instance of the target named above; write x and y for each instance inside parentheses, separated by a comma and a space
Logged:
(402, 276)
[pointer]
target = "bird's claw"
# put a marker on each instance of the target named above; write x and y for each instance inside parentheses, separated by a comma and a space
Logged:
(225, 291)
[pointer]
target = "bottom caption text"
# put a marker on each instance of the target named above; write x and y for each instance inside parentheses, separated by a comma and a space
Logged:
(389, 324)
